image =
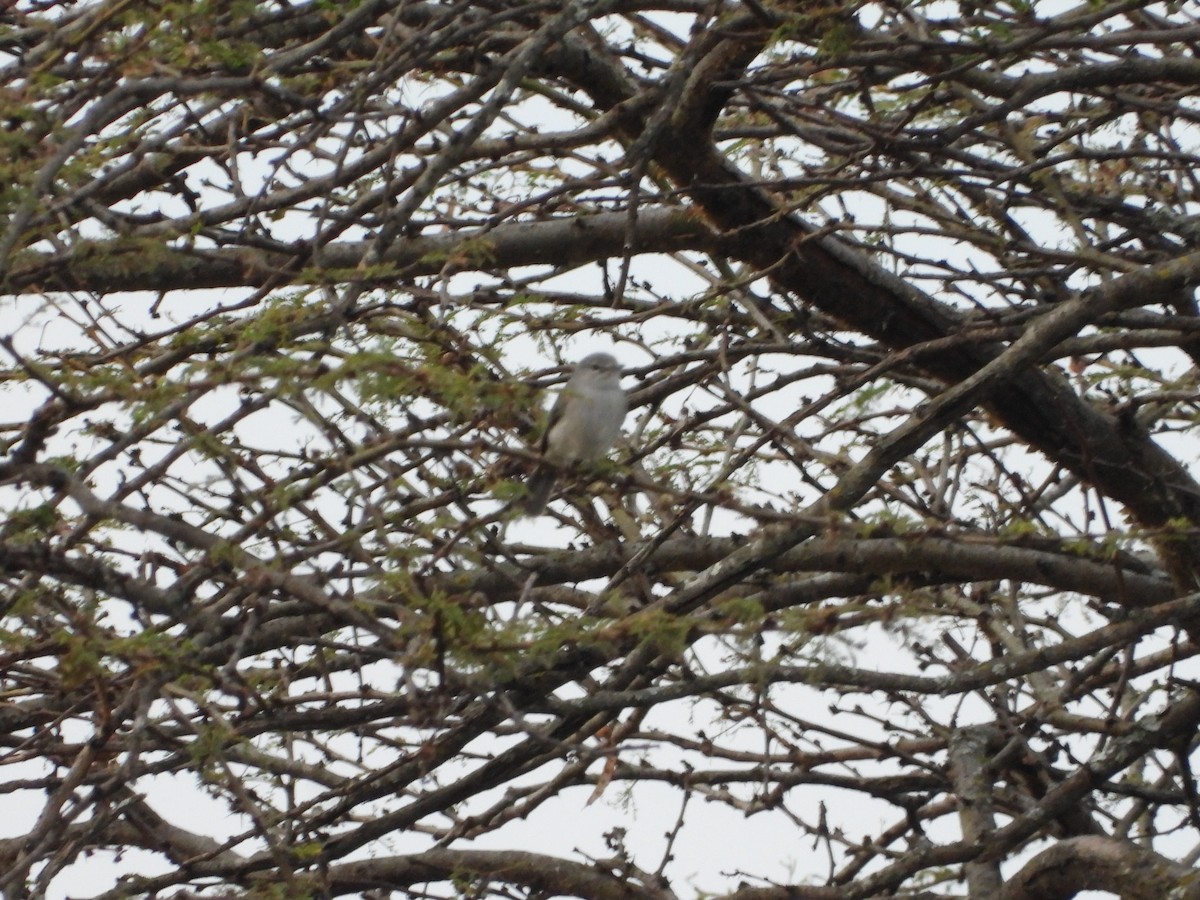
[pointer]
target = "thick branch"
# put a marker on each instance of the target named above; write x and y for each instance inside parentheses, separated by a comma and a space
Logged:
(106, 266)
(532, 871)
(1100, 863)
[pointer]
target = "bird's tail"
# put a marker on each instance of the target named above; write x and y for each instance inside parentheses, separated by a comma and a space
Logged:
(541, 484)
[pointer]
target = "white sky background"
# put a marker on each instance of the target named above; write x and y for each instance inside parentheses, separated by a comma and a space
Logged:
(718, 849)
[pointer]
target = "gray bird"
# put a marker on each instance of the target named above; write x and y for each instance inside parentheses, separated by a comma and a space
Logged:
(584, 423)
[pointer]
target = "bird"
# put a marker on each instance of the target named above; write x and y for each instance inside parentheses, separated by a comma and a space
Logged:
(584, 424)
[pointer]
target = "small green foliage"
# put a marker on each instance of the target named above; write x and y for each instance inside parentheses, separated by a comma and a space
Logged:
(148, 398)
(1079, 547)
(224, 553)
(865, 399)
(150, 648)
(1019, 528)
(838, 38)
(19, 605)
(275, 323)
(1176, 531)
(456, 623)
(66, 463)
(667, 632)
(79, 660)
(884, 524)
(30, 525)
(295, 888)
(308, 851)
(379, 376)
(235, 56)
(743, 610)
(212, 739)
(508, 490)
(472, 253)
(465, 884)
